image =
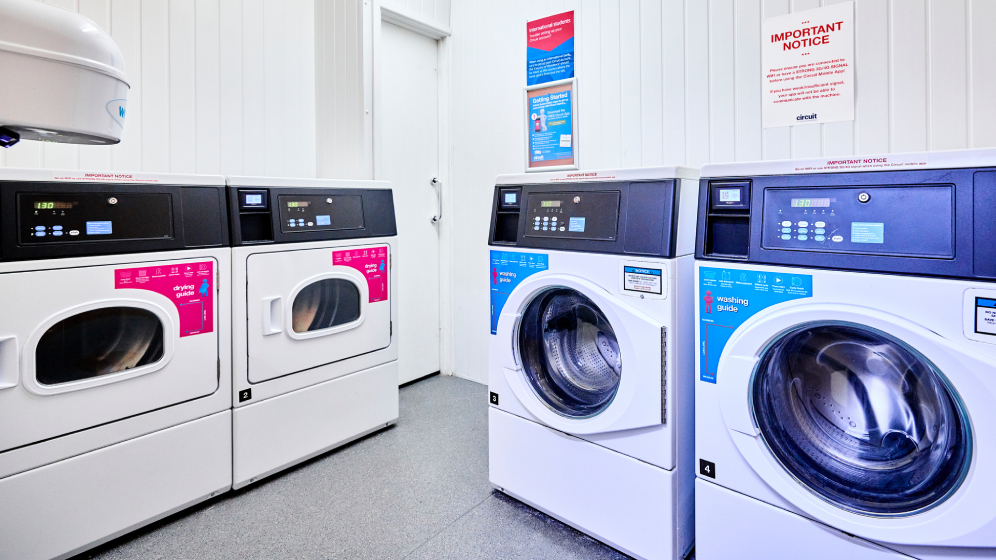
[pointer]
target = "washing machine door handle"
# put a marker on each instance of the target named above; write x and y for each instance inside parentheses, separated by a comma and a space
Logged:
(8, 362)
(734, 397)
(272, 308)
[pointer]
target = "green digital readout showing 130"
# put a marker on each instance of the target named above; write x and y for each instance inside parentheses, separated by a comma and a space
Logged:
(810, 202)
(298, 204)
(550, 203)
(52, 205)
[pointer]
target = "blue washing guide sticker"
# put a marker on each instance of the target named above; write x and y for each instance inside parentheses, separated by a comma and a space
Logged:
(508, 269)
(323, 220)
(99, 228)
(728, 297)
(576, 224)
(867, 232)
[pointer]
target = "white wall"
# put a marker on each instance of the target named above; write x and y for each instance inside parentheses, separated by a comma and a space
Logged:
(678, 82)
(217, 86)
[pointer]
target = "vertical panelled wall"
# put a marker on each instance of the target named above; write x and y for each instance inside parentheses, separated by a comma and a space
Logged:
(436, 12)
(679, 82)
(217, 86)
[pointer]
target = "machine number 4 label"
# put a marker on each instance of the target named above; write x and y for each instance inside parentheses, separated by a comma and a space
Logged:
(245, 395)
(494, 398)
(707, 469)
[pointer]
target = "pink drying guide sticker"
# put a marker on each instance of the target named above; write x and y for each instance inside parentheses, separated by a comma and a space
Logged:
(372, 264)
(187, 285)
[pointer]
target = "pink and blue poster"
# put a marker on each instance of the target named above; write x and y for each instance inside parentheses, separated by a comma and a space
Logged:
(550, 49)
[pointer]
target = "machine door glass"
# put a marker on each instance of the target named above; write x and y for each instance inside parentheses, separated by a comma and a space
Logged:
(309, 308)
(861, 419)
(91, 345)
(325, 304)
(569, 353)
(98, 342)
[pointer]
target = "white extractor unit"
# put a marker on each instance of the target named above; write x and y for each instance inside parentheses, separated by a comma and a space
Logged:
(63, 77)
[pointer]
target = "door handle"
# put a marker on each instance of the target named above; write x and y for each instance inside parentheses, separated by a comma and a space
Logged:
(272, 306)
(439, 200)
(8, 362)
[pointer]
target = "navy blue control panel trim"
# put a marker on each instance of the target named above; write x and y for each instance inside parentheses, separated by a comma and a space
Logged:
(87, 219)
(299, 215)
(615, 217)
(931, 222)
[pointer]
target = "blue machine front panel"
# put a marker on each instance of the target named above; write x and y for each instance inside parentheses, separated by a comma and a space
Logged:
(887, 221)
(729, 296)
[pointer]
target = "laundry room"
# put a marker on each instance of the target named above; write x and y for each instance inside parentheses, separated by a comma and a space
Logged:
(451, 279)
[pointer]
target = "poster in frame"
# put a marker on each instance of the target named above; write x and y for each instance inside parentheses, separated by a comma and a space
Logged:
(551, 126)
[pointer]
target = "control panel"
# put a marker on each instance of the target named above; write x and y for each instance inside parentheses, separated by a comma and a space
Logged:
(299, 213)
(49, 218)
(573, 215)
(903, 220)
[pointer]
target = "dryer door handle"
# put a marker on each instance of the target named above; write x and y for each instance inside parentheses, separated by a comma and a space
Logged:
(272, 307)
(8, 362)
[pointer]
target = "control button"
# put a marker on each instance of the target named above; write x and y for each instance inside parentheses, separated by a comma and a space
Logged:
(546, 218)
(786, 230)
(803, 224)
(786, 223)
(803, 237)
(292, 224)
(57, 228)
(562, 228)
(837, 238)
(310, 224)
(554, 219)
(864, 197)
(537, 218)
(803, 230)
(544, 228)
(74, 232)
(820, 238)
(536, 227)
(39, 234)
(39, 228)
(819, 230)
(786, 236)
(820, 224)
(57, 233)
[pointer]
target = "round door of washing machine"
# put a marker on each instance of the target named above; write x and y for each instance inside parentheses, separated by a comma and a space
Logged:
(580, 359)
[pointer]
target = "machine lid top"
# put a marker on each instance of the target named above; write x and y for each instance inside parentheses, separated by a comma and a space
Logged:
(295, 182)
(114, 177)
(599, 175)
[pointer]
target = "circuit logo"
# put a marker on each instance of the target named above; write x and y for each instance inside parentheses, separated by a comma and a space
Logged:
(806, 117)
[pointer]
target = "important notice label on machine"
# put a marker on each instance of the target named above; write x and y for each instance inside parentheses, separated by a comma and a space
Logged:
(372, 264)
(188, 285)
(508, 268)
(728, 297)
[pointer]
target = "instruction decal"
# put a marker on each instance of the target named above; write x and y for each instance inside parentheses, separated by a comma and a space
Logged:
(188, 285)
(508, 269)
(728, 297)
(372, 264)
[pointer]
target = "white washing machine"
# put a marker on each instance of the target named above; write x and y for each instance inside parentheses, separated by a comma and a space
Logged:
(115, 394)
(315, 355)
(591, 356)
(846, 394)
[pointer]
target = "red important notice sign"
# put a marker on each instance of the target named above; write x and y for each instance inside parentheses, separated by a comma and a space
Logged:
(190, 286)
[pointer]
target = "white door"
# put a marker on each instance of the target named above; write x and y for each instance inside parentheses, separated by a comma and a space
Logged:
(312, 307)
(85, 346)
(409, 159)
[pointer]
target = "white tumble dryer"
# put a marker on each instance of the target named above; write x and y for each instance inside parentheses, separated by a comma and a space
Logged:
(315, 355)
(846, 393)
(115, 393)
(591, 353)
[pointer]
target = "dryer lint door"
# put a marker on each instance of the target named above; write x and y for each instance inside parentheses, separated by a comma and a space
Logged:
(580, 359)
(312, 307)
(86, 346)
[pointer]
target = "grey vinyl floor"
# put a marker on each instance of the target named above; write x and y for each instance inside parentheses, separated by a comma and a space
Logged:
(418, 490)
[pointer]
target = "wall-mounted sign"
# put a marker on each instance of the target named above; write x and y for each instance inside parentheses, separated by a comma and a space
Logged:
(807, 60)
(551, 126)
(550, 49)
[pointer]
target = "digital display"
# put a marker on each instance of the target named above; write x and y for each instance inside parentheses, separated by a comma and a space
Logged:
(510, 198)
(550, 203)
(810, 202)
(298, 204)
(53, 205)
(254, 199)
(729, 195)
(99, 228)
(324, 220)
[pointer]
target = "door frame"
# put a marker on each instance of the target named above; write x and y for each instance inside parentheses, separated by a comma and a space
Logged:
(443, 37)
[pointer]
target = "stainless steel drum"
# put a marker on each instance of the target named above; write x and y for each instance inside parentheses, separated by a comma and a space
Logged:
(569, 353)
(861, 419)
